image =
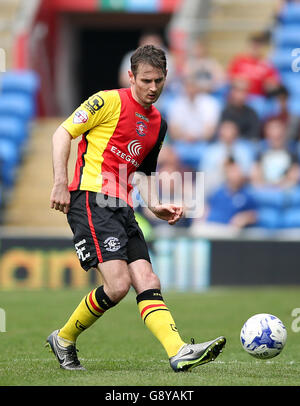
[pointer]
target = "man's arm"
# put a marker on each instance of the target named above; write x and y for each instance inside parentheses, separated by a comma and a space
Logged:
(148, 189)
(61, 146)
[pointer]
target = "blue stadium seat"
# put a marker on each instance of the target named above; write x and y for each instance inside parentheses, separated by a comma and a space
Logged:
(10, 160)
(294, 105)
(20, 81)
(269, 218)
(290, 14)
(260, 104)
(291, 218)
(13, 129)
(282, 59)
(291, 80)
(17, 105)
(287, 36)
(266, 197)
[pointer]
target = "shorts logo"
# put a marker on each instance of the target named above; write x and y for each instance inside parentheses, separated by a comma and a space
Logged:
(134, 148)
(112, 244)
(80, 250)
(141, 128)
(80, 117)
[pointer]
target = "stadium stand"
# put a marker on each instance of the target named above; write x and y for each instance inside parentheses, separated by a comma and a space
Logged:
(285, 37)
(227, 30)
(17, 111)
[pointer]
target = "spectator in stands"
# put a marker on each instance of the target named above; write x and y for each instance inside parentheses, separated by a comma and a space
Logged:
(255, 68)
(276, 165)
(207, 71)
(231, 207)
(192, 122)
(280, 110)
(228, 143)
(237, 110)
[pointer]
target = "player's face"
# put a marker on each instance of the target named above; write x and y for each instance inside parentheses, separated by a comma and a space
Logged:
(147, 84)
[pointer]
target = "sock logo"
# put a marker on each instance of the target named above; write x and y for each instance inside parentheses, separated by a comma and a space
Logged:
(173, 327)
(80, 326)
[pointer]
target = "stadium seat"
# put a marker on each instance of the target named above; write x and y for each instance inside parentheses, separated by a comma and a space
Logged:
(13, 129)
(260, 105)
(291, 81)
(282, 59)
(291, 218)
(19, 81)
(10, 159)
(269, 218)
(274, 198)
(17, 105)
(287, 36)
(290, 14)
(294, 105)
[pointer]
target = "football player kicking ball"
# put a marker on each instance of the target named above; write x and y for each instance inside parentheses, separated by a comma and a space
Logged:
(121, 132)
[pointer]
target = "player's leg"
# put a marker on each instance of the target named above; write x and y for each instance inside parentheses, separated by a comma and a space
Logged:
(158, 319)
(157, 316)
(116, 283)
(153, 310)
(100, 241)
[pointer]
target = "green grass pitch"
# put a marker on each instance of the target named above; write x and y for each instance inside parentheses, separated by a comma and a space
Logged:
(118, 350)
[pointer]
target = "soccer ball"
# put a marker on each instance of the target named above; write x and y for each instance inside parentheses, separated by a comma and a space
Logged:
(263, 336)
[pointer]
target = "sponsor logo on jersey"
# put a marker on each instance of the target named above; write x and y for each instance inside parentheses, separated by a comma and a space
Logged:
(134, 148)
(142, 117)
(80, 117)
(94, 104)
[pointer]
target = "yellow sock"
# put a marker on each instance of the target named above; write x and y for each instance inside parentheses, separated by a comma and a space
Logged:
(159, 320)
(92, 306)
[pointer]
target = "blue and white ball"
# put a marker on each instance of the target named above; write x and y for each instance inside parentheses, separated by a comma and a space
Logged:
(263, 336)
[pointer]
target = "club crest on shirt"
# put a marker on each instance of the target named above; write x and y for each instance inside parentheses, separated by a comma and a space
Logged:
(141, 128)
(80, 117)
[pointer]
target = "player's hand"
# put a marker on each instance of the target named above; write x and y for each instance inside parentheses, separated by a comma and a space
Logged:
(60, 198)
(168, 212)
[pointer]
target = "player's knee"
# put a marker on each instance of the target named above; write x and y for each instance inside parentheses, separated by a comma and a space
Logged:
(119, 289)
(151, 280)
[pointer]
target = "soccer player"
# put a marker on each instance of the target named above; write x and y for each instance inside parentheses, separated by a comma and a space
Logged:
(122, 132)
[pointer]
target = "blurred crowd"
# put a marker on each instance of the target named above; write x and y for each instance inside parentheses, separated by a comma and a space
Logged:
(234, 125)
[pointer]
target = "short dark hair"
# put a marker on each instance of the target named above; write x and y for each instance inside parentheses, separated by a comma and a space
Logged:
(149, 54)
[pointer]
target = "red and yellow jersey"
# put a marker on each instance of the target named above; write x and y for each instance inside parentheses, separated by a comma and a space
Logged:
(119, 136)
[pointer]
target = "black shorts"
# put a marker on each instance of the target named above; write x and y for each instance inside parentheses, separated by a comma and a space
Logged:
(104, 229)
